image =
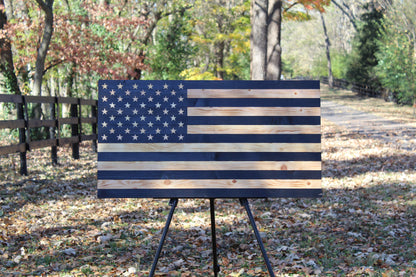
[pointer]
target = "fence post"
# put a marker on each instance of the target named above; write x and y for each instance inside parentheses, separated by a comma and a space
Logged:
(94, 114)
(75, 130)
(22, 136)
(52, 132)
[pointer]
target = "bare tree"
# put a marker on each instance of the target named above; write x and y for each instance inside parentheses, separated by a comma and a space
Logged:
(328, 53)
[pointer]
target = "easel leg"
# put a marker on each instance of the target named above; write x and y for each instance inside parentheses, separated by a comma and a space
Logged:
(246, 205)
(173, 202)
(214, 238)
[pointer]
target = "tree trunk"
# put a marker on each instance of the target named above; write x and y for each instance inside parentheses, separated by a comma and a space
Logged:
(6, 57)
(274, 49)
(47, 7)
(44, 45)
(328, 54)
(258, 50)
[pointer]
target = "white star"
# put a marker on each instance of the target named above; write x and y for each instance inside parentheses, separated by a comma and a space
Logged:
(173, 130)
(165, 111)
(150, 99)
(142, 105)
(127, 105)
(112, 105)
(150, 111)
(119, 124)
(165, 86)
(173, 105)
(158, 105)
(135, 86)
(158, 118)
(158, 92)
(135, 111)
(112, 118)
(165, 99)
(165, 124)
(157, 131)
(104, 124)
(112, 92)
(120, 111)
(127, 131)
(173, 118)
(127, 92)
(135, 137)
(165, 137)
(180, 86)
(181, 111)
(127, 118)
(105, 99)
(135, 99)
(150, 124)
(104, 111)
(135, 124)
(120, 86)
(142, 92)
(150, 86)
(150, 137)
(104, 86)
(104, 137)
(142, 131)
(112, 131)
(119, 99)
(180, 98)
(173, 92)
(180, 137)
(119, 137)
(181, 124)
(142, 118)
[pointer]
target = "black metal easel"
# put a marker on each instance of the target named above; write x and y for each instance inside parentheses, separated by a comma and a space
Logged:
(244, 202)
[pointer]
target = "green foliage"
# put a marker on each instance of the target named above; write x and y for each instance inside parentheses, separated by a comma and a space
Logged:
(365, 46)
(171, 52)
(396, 67)
(339, 63)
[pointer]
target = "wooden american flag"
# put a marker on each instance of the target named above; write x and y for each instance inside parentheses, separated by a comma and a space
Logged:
(209, 139)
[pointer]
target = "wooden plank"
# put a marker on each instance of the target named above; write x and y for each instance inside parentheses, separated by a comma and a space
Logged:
(11, 98)
(209, 147)
(40, 99)
(88, 120)
(68, 100)
(11, 149)
(254, 111)
(42, 143)
(68, 120)
(12, 124)
(212, 184)
(253, 93)
(211, 165)
(254, 129)
(36, 123)
(89, 102)
(88, 137)
(69, 140)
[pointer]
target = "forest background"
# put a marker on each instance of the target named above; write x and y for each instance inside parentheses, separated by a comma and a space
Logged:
(368, 41)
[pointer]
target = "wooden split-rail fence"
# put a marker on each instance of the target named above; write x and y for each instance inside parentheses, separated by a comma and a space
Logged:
(82, 111)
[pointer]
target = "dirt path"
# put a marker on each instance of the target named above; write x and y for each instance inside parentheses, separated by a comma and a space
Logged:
(402, 135)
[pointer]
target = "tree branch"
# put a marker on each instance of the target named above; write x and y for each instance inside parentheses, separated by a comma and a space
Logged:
(350, 16)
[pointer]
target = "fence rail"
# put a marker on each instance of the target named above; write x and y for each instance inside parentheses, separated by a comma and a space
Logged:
(359, 88)
(53, 122)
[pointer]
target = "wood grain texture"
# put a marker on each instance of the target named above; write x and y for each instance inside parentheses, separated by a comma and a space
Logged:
(211, 165)
(253, 93)
(213, 184)
(209, 147)
(254, 111)
(254, 129)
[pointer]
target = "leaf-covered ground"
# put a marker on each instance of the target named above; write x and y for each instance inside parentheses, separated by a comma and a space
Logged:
(52, 224)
